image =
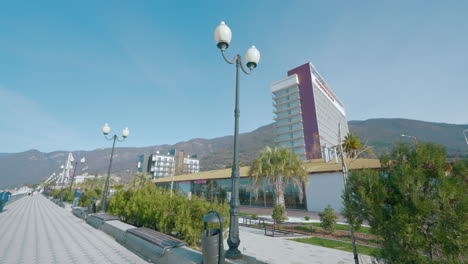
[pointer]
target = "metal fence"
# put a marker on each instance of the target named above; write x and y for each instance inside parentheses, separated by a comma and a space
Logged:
(15, 197)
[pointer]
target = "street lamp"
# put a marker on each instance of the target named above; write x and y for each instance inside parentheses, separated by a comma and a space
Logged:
(223, 37)
(48, 182)
(408, 136)
(62, 167)
(464, 134)
(73, 176)
(105, 130)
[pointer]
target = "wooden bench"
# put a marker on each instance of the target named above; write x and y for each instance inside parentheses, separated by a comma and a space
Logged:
(275, 229)
(246, 219)
(97, 220)
(157, 238)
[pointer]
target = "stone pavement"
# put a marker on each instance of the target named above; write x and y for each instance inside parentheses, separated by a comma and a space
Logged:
(35, 230)
(281, 250)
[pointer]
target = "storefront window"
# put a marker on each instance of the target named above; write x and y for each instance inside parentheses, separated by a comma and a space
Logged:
(219, 190)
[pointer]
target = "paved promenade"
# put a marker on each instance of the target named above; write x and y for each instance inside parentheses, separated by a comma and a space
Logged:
(35, 230)
(280, 250)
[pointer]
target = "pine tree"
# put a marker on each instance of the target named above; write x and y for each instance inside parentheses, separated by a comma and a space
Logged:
(417, 208)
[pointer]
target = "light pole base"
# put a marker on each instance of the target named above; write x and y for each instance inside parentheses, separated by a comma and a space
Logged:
(233, 253)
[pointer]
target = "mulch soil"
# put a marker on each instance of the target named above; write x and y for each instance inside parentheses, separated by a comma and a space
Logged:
(361, 238)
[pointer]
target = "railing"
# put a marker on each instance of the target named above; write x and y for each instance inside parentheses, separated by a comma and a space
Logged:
(15, 197)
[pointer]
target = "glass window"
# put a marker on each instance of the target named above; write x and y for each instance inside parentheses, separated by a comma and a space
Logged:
(217, 190)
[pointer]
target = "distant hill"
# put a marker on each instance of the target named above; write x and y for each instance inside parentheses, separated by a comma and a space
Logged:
(30, 166)
(383, 133)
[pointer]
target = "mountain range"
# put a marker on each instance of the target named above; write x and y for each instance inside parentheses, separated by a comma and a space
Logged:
(31, 166)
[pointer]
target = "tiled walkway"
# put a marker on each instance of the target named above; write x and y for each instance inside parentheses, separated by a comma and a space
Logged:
(281, 250)
(35, 230)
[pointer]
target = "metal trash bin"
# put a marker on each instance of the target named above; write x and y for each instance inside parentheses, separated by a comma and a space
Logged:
(212, 239)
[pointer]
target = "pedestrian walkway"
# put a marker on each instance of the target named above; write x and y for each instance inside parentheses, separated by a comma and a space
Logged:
(35, 230)
(281, 250)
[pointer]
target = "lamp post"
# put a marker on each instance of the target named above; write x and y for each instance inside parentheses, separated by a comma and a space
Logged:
(464, 134)
(223, 37)
(408, 136)
(48, 182)
(62, 167)
(105, 130)
(73, 176)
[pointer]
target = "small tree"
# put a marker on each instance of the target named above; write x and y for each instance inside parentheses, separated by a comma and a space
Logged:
(328, 219)
(278, 166)
(352, 148)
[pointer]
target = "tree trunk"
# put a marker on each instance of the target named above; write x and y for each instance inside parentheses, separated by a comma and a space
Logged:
(279, 194)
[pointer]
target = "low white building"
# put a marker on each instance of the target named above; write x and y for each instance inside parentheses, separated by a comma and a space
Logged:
(161, 165)
(325, 185)
(191, 165)
(172, 163)
(81, 178)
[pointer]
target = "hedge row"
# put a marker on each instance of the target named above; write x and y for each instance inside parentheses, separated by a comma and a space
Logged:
(153, 207)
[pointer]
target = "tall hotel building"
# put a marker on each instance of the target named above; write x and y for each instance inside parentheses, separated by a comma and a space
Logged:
(308, 114)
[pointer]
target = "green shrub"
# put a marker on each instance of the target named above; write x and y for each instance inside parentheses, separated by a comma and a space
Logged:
(279, 213)
(328, 219)
(65, 194)
(55, 193)
(307, 218)
(255, 216)
(86, 197)
(153, 207)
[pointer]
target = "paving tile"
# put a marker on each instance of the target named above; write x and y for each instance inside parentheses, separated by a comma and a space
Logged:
(35, 230)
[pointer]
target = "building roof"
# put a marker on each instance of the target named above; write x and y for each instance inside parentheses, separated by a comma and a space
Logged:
(311, 166)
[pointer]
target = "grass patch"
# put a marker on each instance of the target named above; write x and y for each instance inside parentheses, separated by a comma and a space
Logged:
(338, 245)
(305, 228)
(246, 214)
(254, 216)
(376, 241)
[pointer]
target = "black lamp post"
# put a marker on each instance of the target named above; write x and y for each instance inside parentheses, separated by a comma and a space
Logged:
(223, 37)
(105, 130)
(73, 176)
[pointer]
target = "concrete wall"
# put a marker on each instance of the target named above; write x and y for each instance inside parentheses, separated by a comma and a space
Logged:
(323, 189)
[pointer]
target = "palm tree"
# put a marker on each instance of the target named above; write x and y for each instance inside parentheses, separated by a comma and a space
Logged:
(139, 180)
(278, 166)
(351, 145)
(353, 148)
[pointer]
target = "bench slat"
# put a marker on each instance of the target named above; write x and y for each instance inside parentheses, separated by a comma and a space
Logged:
(158, 238)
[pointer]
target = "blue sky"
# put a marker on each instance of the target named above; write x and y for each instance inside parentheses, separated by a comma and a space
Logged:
(67, 67)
